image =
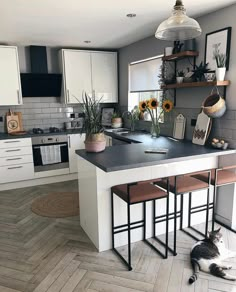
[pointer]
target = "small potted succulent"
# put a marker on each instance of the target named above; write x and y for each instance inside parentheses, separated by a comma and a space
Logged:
(116, 120)
(95, 139)
(220, 62)
(180, 76)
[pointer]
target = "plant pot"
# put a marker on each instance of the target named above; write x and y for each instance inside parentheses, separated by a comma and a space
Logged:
(95, 142)
(179, 79)
(116, 123)
(220, 74)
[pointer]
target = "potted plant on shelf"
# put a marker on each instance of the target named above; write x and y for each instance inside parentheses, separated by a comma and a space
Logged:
(116, 120)
(95, 139)
(220, 62)
(199, 72)
(180, 76)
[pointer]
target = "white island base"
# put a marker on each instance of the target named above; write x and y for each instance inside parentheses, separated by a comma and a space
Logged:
(95, 199)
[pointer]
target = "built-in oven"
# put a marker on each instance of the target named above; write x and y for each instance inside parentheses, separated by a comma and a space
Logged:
(50, 152)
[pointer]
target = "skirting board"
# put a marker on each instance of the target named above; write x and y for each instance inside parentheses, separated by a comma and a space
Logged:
(38, 181)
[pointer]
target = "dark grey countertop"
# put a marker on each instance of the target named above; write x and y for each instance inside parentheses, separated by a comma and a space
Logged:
(121, 157)
(4, 136)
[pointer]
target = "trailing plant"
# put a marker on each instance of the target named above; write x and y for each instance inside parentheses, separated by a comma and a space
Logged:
(219, 57)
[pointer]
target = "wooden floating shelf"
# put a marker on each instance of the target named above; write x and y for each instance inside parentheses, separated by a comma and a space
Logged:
(196, 84)
(180, 55)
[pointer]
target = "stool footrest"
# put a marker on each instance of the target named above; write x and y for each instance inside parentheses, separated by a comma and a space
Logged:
(189, 234)
(131, 228)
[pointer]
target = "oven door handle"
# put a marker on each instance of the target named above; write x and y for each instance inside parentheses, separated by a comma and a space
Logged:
(38, 147)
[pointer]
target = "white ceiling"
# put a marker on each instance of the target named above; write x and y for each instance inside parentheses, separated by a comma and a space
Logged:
(68, 23)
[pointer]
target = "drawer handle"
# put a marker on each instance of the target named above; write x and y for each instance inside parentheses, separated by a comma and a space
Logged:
(13, 150)
(15, 167)
(12, 141)
(11, 159)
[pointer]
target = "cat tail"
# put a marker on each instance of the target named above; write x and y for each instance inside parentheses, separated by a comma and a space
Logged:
(219, 272)
(196, 269)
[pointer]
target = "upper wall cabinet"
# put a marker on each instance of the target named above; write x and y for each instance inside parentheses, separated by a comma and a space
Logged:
(89, 71)
(10, 89)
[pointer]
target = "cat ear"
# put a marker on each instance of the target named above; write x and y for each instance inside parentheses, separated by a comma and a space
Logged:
(218, 230)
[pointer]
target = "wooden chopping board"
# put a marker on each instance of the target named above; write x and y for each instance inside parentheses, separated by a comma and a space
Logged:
(202, 129)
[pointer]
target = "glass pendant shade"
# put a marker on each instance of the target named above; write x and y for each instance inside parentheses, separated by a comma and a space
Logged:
(179, 26)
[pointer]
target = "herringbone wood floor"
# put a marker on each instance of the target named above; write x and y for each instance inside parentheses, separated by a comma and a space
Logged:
(43, 254)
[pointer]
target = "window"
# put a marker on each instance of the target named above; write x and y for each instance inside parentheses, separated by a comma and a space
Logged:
(144, 82)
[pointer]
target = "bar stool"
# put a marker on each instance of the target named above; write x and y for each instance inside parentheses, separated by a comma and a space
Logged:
(135, 193)
(219, 177)
(179, 185)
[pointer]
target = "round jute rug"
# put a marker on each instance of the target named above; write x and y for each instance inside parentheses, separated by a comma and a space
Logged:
(57, 205)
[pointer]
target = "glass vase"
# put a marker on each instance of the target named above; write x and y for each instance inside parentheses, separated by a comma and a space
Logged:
(155, 130)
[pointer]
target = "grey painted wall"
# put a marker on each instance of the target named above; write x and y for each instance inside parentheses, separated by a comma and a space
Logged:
(189, 100)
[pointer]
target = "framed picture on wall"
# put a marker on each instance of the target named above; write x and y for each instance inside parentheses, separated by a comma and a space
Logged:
(107, 113)
(219, 39)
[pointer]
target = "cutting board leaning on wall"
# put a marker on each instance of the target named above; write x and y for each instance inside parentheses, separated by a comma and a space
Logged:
(202, 129)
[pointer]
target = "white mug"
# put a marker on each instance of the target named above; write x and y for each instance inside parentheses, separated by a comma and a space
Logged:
(168, 51)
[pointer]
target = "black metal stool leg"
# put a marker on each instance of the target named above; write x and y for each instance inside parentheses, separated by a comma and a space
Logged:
(181, 211)
(129, 237)
(189, 209)
(207, 212)
(112, 220)
(167, 226)
(213, 209)
(144, 219)
(175, 222)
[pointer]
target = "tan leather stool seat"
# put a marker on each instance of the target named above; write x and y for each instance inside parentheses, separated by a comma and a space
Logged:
(223, 177)
(185, 184)
(139, 192)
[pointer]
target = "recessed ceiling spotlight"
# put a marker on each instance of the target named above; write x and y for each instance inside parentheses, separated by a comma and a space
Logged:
(131, 15)
(87, 42)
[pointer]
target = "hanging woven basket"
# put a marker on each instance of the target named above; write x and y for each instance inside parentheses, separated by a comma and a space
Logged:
(214, 105)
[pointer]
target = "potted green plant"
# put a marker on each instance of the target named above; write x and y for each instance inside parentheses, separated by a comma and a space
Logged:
(95, 139)
(116, 120)
(180, 76)
(220, 62)
(199, 72)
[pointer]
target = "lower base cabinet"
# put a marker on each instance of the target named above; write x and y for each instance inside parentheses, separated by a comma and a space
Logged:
(75, 142)
(14, 173)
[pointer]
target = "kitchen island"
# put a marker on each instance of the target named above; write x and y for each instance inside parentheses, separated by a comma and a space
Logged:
(98, 172)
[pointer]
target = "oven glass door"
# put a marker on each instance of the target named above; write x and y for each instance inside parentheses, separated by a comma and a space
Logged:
(39, 165)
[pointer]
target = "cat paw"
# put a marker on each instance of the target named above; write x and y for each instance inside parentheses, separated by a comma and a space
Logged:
(227, 268)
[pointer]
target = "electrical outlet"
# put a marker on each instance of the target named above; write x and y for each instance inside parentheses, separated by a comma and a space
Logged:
(193, 122)
(1, 119)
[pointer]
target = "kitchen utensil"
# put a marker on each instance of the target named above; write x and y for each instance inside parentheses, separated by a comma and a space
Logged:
(202, 129)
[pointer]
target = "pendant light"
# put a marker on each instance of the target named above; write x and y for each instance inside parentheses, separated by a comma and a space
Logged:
(178, 26)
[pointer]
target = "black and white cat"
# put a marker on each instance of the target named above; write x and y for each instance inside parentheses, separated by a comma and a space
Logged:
(207, 255)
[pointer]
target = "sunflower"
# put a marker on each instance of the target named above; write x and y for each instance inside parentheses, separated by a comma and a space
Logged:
(153, 103)
(167, 105)
(142, 105)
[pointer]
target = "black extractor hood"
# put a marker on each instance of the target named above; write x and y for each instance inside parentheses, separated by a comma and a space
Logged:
(39, 83)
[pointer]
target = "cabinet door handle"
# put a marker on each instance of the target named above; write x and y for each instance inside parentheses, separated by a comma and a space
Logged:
(14, 141)
(69, 141)
(13, 150)
(18, 95)
(11, 159)
(15, 167)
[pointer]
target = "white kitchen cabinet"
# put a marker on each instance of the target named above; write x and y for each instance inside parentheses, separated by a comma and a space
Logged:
(104, 76)
(76, 75)
(75, 142)
(89, 71)
(10, 89)
(16, 160)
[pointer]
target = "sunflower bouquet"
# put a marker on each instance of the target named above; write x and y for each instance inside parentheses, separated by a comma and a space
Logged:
(151, 105)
